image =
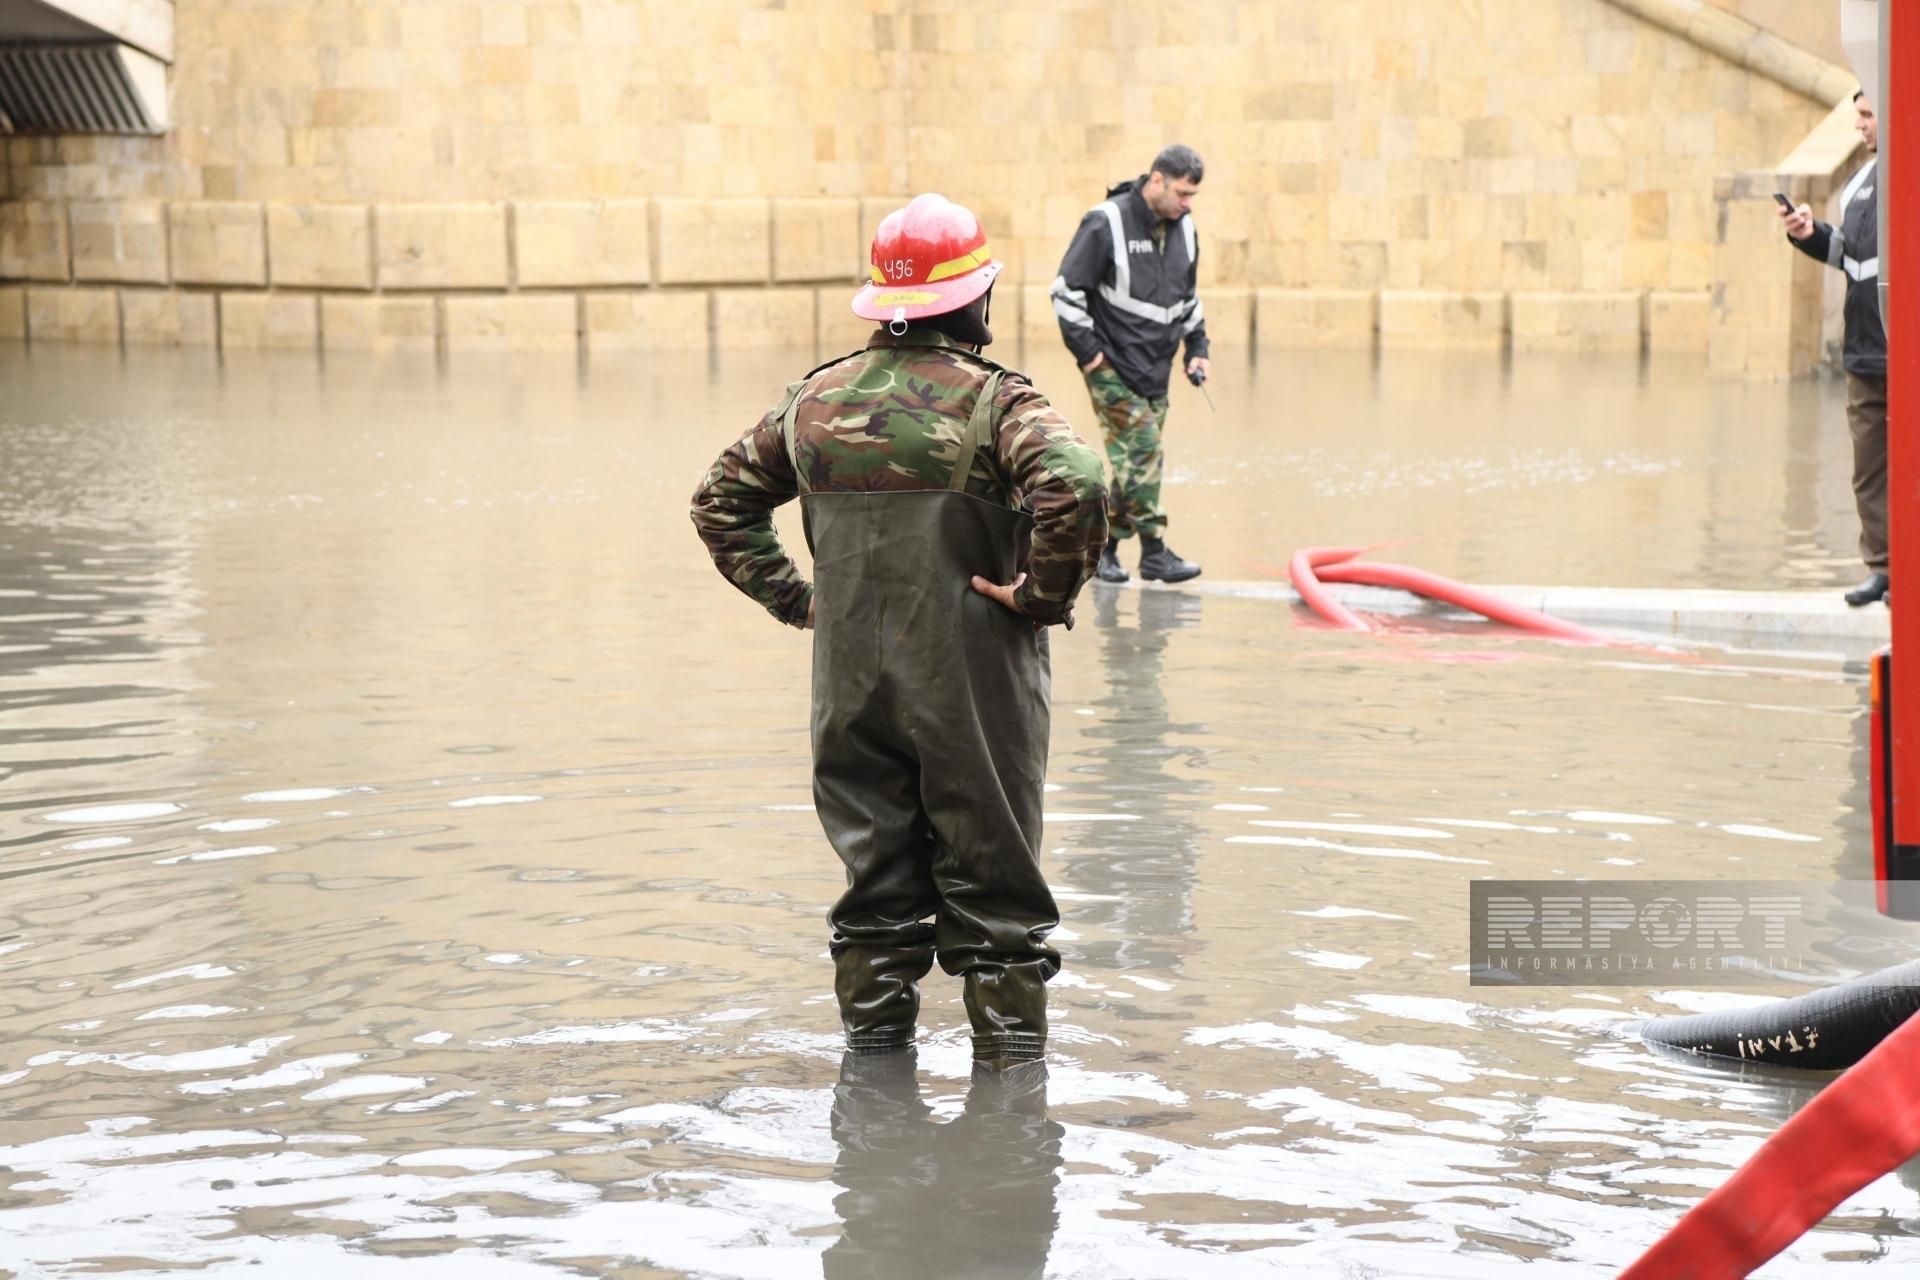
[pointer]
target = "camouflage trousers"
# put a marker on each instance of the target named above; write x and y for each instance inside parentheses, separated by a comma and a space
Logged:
(1132, 425)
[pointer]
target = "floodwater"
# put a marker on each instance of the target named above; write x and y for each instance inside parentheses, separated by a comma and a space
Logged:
(406, 862)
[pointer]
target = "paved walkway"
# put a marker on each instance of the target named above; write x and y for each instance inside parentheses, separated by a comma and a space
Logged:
(1746, 619)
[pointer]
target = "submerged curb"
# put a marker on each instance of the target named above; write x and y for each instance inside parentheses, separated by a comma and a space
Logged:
(1782, 619)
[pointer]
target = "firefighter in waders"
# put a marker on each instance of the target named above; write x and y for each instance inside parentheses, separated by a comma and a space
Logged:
(953, 515)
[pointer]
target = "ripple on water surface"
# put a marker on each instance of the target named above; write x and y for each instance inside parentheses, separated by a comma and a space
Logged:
(292, 984)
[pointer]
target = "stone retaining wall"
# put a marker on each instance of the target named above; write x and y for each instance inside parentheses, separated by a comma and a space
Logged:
(1504, 146)
(585, 244)
(1539, 174)
(628, 275)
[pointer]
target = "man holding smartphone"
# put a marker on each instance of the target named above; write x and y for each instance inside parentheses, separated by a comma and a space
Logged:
(1853, 247)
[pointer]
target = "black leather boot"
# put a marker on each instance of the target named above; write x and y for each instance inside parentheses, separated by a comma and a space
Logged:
(1874, 588)
(1161, 563)
(1110, 568)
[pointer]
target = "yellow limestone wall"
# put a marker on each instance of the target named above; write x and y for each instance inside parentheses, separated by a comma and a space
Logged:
(368, 101)
(1558, 156)
(1809, 24)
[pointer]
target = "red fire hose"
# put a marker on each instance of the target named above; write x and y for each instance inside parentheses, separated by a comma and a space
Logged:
(1301, 570)
(1311, 566)
(1862, 1126)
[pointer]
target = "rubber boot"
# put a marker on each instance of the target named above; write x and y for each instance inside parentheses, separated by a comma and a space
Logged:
(879, 994)
(1161, 563)
(1008, 1009)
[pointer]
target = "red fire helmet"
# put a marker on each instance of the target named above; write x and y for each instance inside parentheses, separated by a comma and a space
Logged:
(928, 259)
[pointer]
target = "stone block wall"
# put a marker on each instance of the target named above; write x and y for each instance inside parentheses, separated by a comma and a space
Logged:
(561, 243)
(119, 240)
(818, 240)
(1037, 322)
(714, 241)
(1524, 171)
(13, 313)
(494, 323)
(1316, 317)
(168, 318)
(572, 276)
(217, 242)
(80, 314)
(1765, 317)
(1578, 321)
(445, 101)
(440, 246)
(33, 241)
(278, 321)
(1538, 146)
(677, 320)
(1430, 318)
(352, 323)
(487, 277)
(1812, 27)
(321, 246)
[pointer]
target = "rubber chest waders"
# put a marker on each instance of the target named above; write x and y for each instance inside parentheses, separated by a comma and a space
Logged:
(930, 721)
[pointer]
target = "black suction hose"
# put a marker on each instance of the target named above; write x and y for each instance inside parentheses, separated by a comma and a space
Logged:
(1825, 1030)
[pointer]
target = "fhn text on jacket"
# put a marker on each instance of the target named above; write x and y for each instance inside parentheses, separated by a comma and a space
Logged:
(1128, 287)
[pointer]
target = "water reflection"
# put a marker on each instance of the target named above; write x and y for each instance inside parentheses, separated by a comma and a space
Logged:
(1142, 871)
(1822, 526)
(1771, 1096)
(94, 647)
(470, 920)
(972, 1196)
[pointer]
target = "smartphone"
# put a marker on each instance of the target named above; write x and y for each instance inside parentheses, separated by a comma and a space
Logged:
(1784, 202)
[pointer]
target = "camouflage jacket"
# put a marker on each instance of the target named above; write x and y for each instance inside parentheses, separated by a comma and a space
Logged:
(890, 418)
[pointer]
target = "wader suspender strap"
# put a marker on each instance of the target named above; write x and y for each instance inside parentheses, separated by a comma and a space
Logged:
(788, 412)
(979, 428)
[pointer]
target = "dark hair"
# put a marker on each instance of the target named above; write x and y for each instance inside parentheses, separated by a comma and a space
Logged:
(1859, 94)
(1180, 161)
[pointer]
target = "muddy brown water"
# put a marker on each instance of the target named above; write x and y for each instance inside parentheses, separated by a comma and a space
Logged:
(406, 863)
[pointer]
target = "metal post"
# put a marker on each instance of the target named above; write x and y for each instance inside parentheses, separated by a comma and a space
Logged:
(1899, 250)
(1885, 151)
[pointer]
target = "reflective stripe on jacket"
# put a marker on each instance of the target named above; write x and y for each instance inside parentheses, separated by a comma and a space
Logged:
(1128, 287)
(1854, 247)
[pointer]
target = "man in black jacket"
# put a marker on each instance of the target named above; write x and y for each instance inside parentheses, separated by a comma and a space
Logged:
(1126, 296)
(1854, 247)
